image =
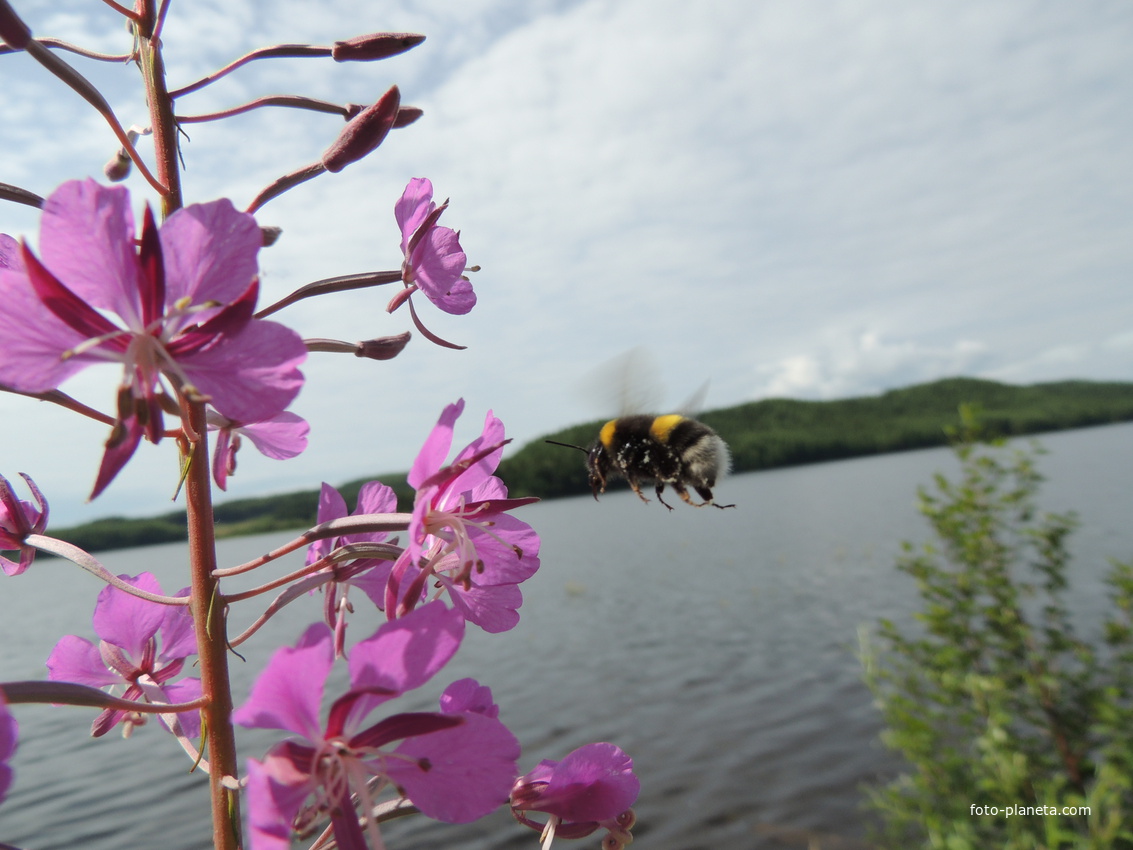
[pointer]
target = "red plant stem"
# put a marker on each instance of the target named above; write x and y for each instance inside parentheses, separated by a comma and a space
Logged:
(293, 101)
(162, 121)
(129, 13)
(278, 50)
(209, 608)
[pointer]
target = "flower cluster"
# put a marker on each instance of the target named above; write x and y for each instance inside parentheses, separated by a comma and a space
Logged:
(130, 655)
(593, 787)
(368, 574)
(18, 519)
(434, 262)
(184, 296)
(455, 765)
(173, 307)
(461, 538)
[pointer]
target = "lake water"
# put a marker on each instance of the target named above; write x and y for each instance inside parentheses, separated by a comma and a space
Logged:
(716, 647)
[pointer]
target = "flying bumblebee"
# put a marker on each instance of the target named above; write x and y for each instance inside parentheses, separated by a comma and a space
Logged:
(670, 449)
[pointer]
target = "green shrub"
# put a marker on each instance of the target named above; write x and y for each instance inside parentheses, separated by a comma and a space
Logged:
(991, 697)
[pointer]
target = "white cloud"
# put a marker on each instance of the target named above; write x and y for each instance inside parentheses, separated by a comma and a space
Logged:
(786, 196)
(863, 364)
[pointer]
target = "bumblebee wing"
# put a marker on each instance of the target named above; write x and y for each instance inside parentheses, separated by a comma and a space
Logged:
(695, 403)
(628, 383)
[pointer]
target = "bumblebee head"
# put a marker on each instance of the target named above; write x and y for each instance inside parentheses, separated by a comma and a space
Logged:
(597, 463)
(598, 466)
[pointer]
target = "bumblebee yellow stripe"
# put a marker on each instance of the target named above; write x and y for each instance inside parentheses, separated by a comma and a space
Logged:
(606, 435)
(663, 426)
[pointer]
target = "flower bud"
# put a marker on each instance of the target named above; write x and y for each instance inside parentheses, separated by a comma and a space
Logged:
(363, 133)
(377, 45)
(383, 348)
(270, 234)
(117, 168)
(13, 31)
(406, 115)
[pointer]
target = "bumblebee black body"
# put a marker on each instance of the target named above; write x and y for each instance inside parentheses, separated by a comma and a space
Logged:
(670, 449)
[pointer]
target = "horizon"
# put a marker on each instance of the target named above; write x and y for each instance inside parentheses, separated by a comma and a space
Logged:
(516, 446)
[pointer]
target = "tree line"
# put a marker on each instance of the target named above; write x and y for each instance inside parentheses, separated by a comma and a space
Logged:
(761, 434)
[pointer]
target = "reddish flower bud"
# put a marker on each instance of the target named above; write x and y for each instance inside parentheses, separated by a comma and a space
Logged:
(363, 133)
(377, 45)
(14, 31)
(407, 115)
(383, 348)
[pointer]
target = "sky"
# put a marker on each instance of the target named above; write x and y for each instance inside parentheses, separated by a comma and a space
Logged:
(802, 198)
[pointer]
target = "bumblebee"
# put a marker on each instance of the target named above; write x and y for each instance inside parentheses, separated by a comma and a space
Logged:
(670, 449)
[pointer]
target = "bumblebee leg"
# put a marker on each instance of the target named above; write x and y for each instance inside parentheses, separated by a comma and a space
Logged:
(706, 494)
(661, 486)
(637, 489)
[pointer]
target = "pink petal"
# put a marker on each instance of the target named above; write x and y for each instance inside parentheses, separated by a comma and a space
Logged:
(11, 257)
(502, 563)
(438, 263)
(279, 437)
(433, 454)
(374, 497)
(373, 582)
(75, 659)
(405, 653)
(414, 206)
(185, 690)
(86, 238)
(593, 783)
(275, 793)
(223, 457)
(457, 300)
(289, 691)
(481, 471)
(251, 376)
(494, 609)
(33, 339)
(209, 252)
(468, 695)
(331, 506)
(125, 620)
(471, 768)
(177, 637)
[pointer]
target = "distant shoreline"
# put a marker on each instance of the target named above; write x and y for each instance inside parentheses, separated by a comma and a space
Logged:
(766, 434)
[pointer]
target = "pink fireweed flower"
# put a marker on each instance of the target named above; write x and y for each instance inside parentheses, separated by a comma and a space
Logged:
(461, 537)
(368, 574)
(434, 262)
(18, 519)
(9, 731)
(185, 296)
(279, 437)
(130, 655)
(454, 767)
(592, 787)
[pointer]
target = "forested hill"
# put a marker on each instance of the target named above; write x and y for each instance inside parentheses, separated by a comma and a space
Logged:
(762, 435)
